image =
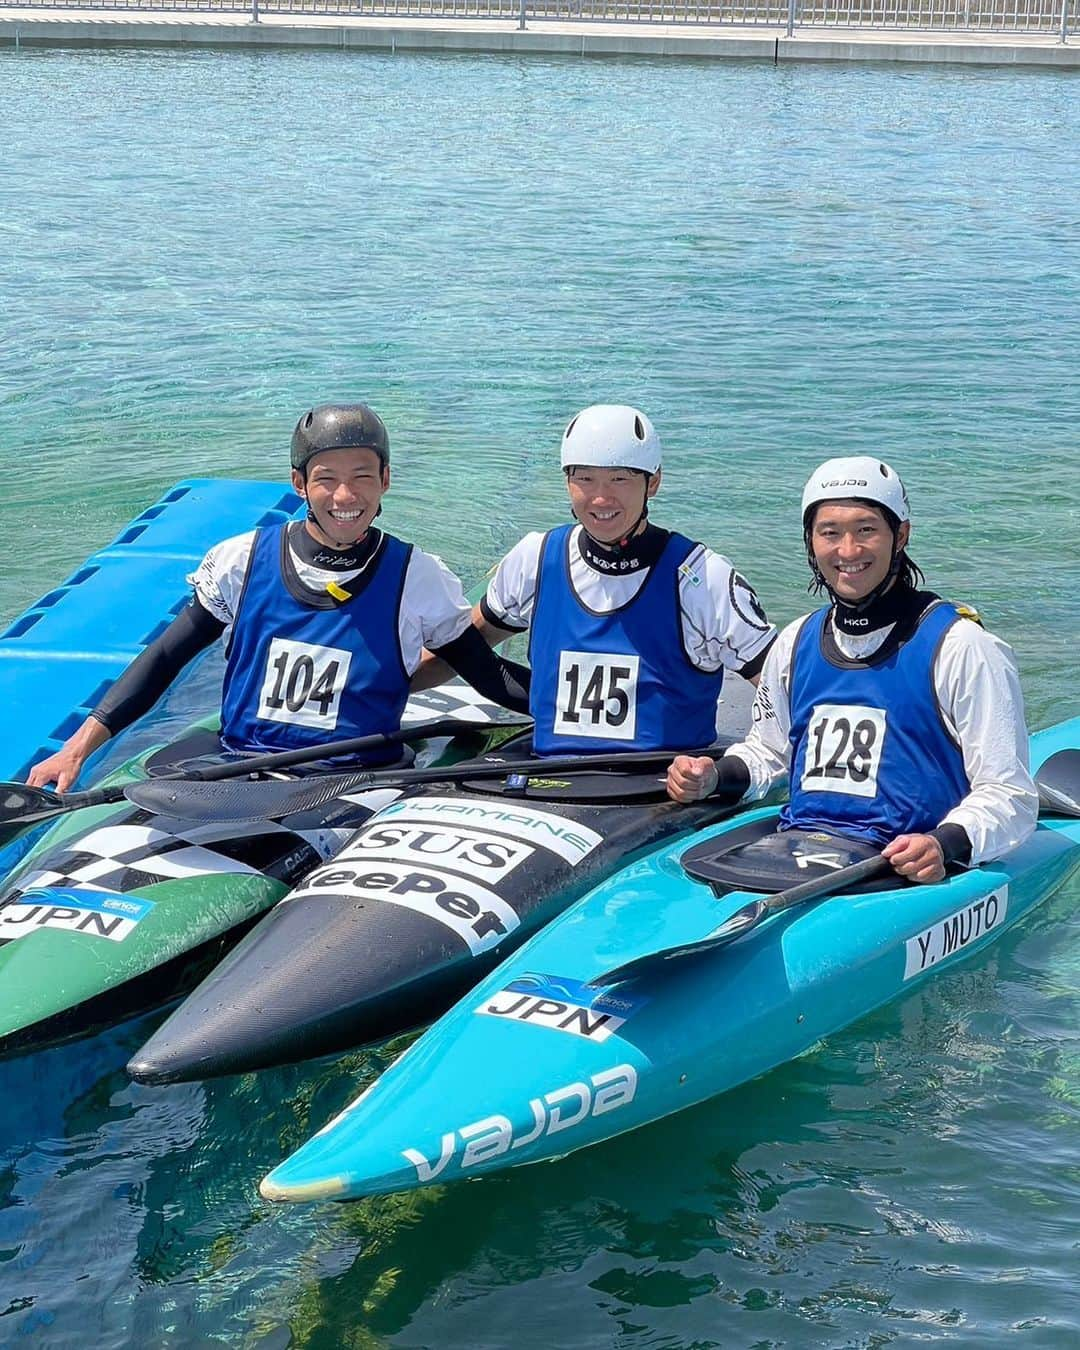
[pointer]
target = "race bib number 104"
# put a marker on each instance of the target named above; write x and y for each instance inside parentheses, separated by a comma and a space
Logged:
(302, 684)
(843, 749)
(597, 696)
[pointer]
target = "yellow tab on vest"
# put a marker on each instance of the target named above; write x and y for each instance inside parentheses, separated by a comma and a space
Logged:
(337, 591)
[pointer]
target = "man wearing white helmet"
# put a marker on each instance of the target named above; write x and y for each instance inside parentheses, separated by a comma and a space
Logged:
(899, 721)
(631, 626)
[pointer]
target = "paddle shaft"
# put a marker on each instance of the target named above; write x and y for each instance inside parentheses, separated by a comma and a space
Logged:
(272, 801)
(287, 759)
(745, 919)
(538, 768)
(829, 884)
(57, 804)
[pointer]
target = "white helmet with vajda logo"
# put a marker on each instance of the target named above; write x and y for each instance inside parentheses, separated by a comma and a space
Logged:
(857, 476)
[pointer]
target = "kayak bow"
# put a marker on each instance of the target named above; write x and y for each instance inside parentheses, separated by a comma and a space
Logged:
(427, 896)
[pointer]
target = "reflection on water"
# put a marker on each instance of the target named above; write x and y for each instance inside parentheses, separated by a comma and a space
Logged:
(909, 1171)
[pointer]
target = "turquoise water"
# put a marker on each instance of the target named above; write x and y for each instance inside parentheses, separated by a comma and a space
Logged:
(778, 264)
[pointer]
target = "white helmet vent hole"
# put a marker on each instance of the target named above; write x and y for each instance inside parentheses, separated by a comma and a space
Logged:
(639, 428)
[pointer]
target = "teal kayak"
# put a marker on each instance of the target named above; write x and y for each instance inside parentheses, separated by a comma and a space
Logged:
(543, 1057)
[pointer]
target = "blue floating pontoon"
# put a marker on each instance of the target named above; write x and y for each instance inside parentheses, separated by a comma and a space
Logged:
(61, 654)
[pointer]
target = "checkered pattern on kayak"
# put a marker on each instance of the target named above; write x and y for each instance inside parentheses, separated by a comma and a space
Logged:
(122, 857)
(130, 854)
(452, 700)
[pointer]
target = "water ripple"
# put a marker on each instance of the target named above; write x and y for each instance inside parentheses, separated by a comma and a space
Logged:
(779, 264)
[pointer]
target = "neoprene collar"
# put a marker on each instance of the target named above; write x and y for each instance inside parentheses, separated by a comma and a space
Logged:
(636, 554)
(308, 550)
(906, 621)
(877, 611)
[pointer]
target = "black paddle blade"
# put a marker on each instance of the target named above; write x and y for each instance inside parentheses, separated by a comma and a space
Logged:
(17, 799)
(237, 802)
(1058, 782)
(23, 807)
(749, 916)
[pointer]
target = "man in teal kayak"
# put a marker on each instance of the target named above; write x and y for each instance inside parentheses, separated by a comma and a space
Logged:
(898, 720)
(631, 627)
(324, 619)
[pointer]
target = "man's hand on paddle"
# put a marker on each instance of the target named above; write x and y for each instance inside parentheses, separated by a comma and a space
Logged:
(918, 857)
(60, 768)
(63, 767)
(691, 777)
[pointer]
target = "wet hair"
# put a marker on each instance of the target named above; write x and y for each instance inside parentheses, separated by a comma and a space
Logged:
(908, 573)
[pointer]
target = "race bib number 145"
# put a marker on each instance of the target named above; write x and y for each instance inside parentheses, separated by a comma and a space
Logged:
(597, 696)
(303, 683)
(843, 749)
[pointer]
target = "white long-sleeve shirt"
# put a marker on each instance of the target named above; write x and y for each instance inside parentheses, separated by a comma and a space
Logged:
(978, 692)
(433, 609)
(723, 625)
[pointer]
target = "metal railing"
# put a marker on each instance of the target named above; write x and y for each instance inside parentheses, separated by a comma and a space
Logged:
(1060, 18)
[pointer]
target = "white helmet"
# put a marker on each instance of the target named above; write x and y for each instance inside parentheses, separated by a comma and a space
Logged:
(611, 436)
(858, 476)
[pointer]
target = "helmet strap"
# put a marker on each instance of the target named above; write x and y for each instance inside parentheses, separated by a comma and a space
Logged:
(880, 608)
(311, 517)
(618, 548)
(317, 554)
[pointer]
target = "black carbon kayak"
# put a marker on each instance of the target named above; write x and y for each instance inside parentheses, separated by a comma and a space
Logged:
(426, 897)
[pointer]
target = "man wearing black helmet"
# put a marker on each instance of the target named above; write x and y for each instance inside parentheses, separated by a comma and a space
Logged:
(324, 619)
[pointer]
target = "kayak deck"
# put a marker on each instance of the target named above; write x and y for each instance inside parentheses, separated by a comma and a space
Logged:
(428, 895)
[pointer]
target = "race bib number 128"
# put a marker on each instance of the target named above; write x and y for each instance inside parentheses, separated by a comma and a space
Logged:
(597, 696)
(303, 683)
(843, 749)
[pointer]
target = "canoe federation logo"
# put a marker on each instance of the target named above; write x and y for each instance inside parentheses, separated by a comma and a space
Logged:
(562, 1004)
(565, 1108)
(101, 914)
(745, 603)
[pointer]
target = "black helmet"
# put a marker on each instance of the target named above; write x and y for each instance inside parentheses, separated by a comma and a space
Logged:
(339, 426)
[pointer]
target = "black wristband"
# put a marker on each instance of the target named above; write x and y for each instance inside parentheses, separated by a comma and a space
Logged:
(732, 779)
(753, 666)
(494, 619)
(954, 841)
